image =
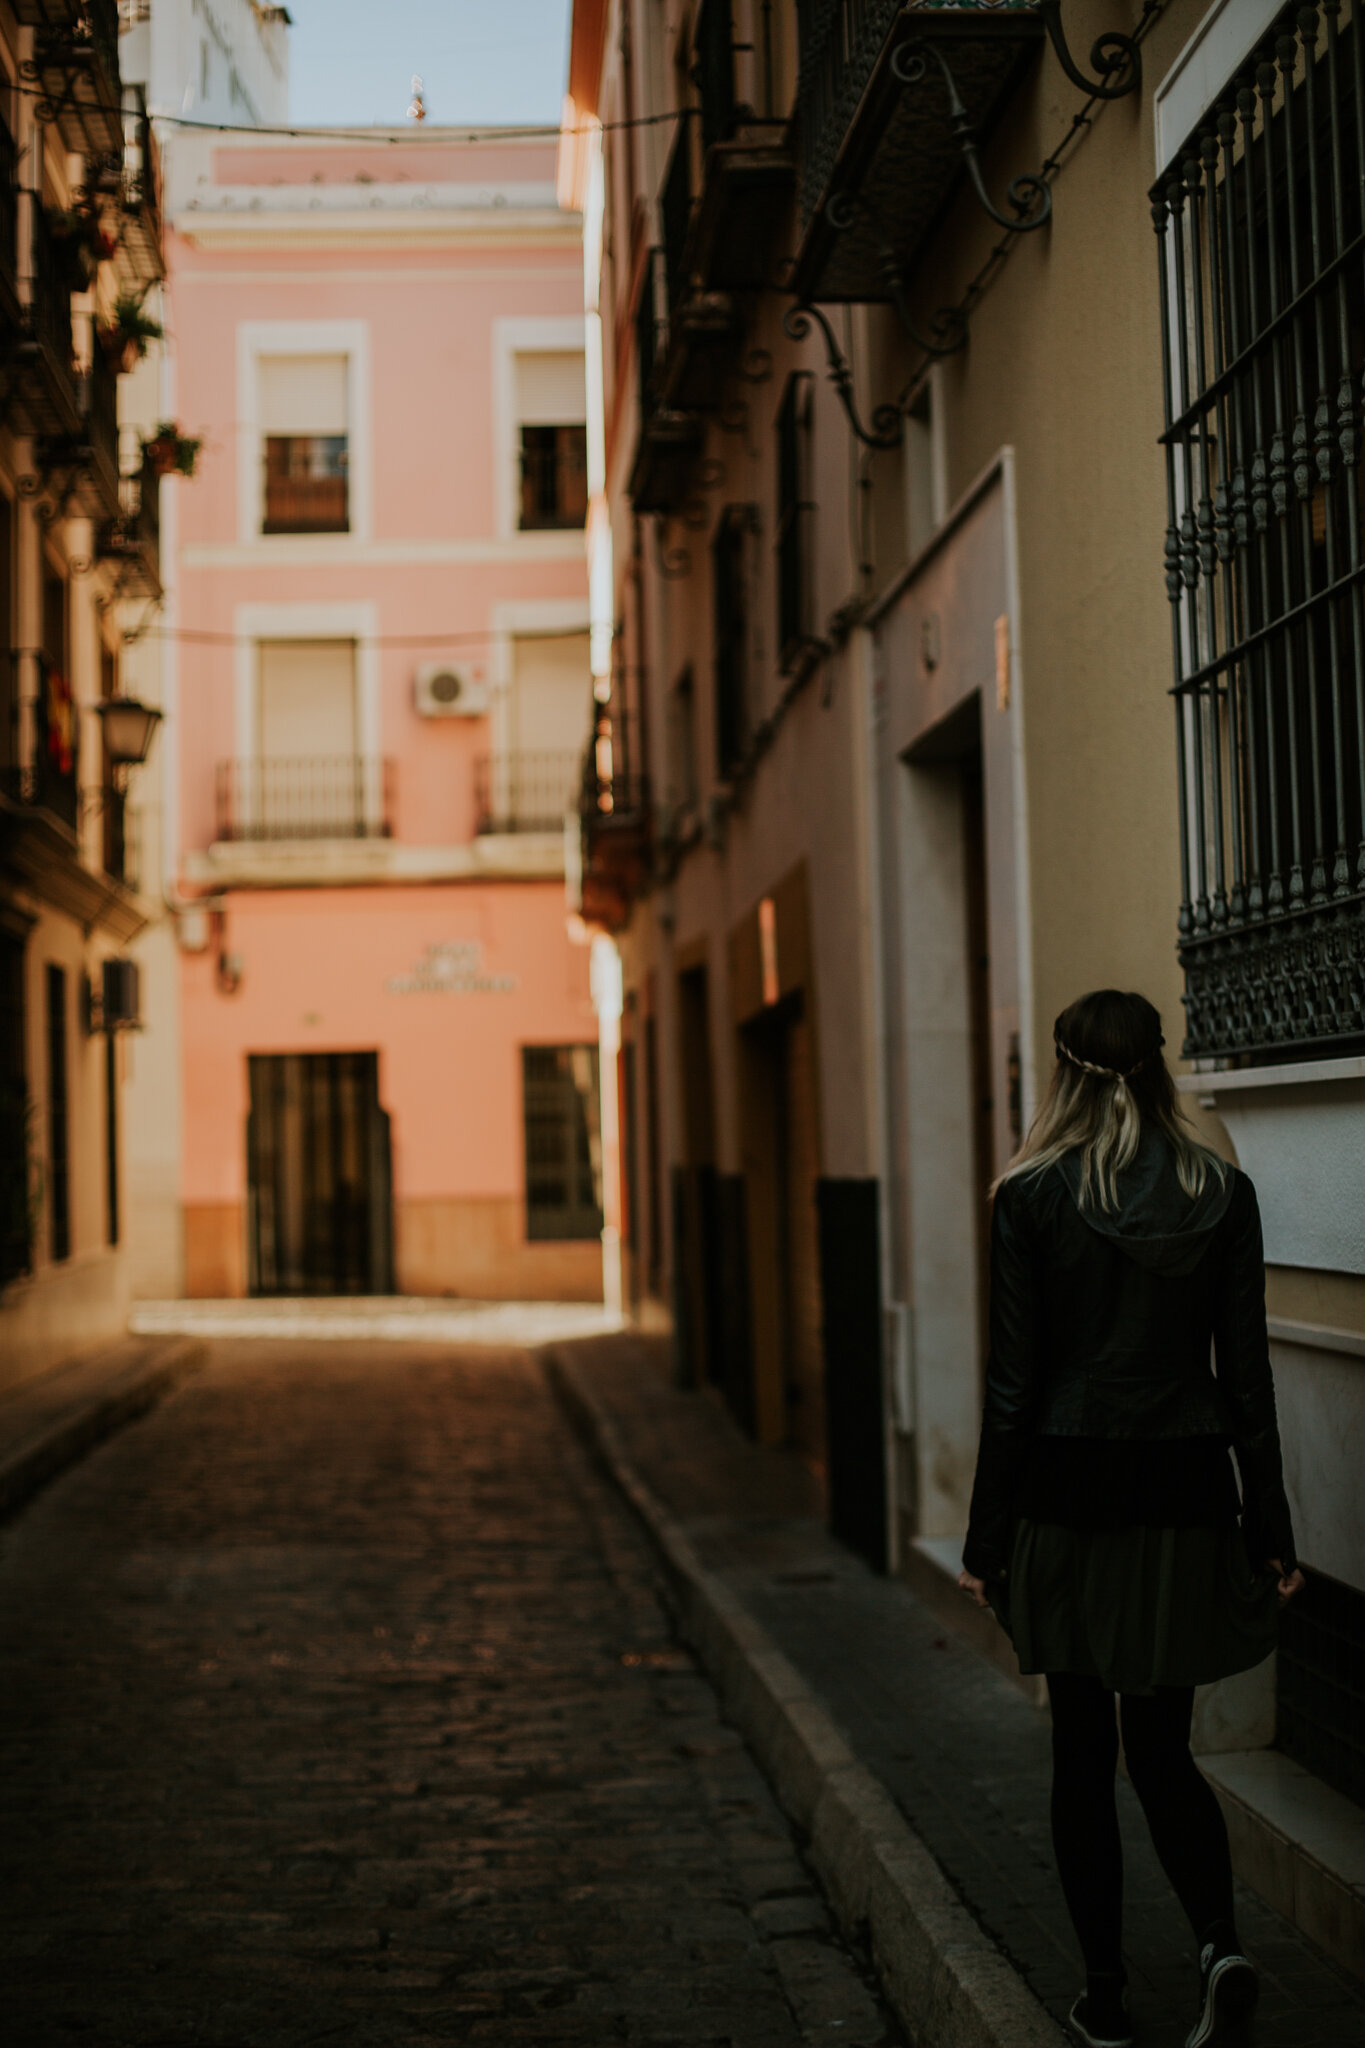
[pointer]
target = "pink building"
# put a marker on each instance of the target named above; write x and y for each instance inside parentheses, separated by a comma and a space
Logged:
(378, 671)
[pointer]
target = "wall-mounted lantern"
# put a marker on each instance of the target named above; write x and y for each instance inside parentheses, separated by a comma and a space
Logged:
(129, 729)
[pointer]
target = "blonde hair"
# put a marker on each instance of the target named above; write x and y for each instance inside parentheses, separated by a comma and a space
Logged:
(1110, 1081)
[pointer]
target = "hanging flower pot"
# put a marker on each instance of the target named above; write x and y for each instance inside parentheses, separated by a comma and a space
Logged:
(168, 452)
(125, 337)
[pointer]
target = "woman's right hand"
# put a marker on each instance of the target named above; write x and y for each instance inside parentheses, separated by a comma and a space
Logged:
(1289, 1584)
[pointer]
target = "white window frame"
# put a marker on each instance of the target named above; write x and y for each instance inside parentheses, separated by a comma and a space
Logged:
(1228, 33)
(265, 338)
(359, 622)
(528, 619)
(567, 334)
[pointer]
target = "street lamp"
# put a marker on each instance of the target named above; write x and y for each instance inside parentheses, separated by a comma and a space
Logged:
(129, 728)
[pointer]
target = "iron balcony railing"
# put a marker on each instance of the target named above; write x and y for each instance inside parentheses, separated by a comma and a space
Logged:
(9, 223)
(76, 64)
(49, 310)
(676, 195)
(133, 537)
(614, 784)
(340, 796)
(1261, 234)
(647, 334)
(141, 254)
(523, 792)
(100, 383)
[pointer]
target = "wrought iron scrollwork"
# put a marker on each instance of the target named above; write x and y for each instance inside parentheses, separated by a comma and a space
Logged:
(1115, 57)
(1029, 195)
(886, 420)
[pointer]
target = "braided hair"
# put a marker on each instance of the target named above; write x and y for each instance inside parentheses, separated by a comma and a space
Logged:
(1109, 1082)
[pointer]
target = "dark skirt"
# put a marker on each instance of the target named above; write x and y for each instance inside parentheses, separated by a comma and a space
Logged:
(1137, 1607)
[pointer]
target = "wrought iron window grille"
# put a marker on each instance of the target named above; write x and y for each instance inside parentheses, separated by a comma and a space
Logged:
(1260, 230)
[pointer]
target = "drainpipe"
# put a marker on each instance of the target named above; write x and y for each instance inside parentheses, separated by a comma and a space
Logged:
(605, 972)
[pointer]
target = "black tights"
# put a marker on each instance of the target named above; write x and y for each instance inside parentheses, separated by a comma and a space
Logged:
(1188, 1831)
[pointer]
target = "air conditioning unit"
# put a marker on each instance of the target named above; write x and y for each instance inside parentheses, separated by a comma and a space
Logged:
(443, 691)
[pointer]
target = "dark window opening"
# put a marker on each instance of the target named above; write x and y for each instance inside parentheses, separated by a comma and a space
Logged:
(563, 1141)
(554, 477)
(58, 1133)
(306, 484)
(16, 1172)
(111, 1136)
(795, 519)
(731, 635)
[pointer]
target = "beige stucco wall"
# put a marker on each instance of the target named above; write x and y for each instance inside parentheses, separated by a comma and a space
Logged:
(1063, 366)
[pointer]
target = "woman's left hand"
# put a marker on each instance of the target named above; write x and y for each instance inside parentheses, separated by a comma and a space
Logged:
(975, 1589)
(1290, 1583)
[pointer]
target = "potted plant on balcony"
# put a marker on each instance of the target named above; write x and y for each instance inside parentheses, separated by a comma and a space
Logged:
(171, 453)
(124, 338)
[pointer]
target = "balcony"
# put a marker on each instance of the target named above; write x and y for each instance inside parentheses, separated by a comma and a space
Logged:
(76, 69)
(132, 538)
(748, 172)
(340, 796)
(615, 822)
(141, 258)
(880, 155)
(670, 440)
(46, 392)
(11, 316)
(523, 792)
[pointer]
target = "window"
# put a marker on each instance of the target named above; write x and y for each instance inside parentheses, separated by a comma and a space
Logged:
(552, 452)
(16, 1227)
(1264, 333)
(58, 1135)
(795, 520)
(563, 1141)
(729, 598)
(682, 752)
(554, 477)
(308, 779)
(304, 428)
(111, 1136)
(923, 506)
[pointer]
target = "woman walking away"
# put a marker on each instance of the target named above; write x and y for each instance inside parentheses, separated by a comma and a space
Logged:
(1105, 1524)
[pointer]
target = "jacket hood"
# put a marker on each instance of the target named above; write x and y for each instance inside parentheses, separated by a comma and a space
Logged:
(1156, 1224)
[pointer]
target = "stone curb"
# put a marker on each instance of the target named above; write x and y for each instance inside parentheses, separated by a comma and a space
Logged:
(948, 1982)
(130, 1390)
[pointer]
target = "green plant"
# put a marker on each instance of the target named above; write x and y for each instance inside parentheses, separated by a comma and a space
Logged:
(128, 332)
(169, 451)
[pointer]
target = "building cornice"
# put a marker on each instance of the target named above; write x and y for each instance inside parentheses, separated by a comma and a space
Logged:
(449, 227)
(371, 863)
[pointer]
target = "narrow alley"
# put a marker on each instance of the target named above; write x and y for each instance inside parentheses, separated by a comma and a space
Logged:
(339, 1703)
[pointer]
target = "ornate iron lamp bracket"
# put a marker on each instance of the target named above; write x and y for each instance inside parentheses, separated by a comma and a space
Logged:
(1029, 195)
(947, 330)
(886, 419)
(1115, 57)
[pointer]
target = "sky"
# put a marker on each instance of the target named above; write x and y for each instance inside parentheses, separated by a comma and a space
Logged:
(479, 60)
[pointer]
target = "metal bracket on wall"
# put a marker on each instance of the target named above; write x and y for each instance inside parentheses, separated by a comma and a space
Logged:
(886, 419)
(1029, 195)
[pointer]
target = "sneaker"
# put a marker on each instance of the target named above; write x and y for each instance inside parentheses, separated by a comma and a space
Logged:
(1229, 1989)
(1102, 2026)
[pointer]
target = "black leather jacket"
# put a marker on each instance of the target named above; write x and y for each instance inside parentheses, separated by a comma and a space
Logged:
(1101, 1326)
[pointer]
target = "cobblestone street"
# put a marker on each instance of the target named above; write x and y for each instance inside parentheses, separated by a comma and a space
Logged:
(339, 1704)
